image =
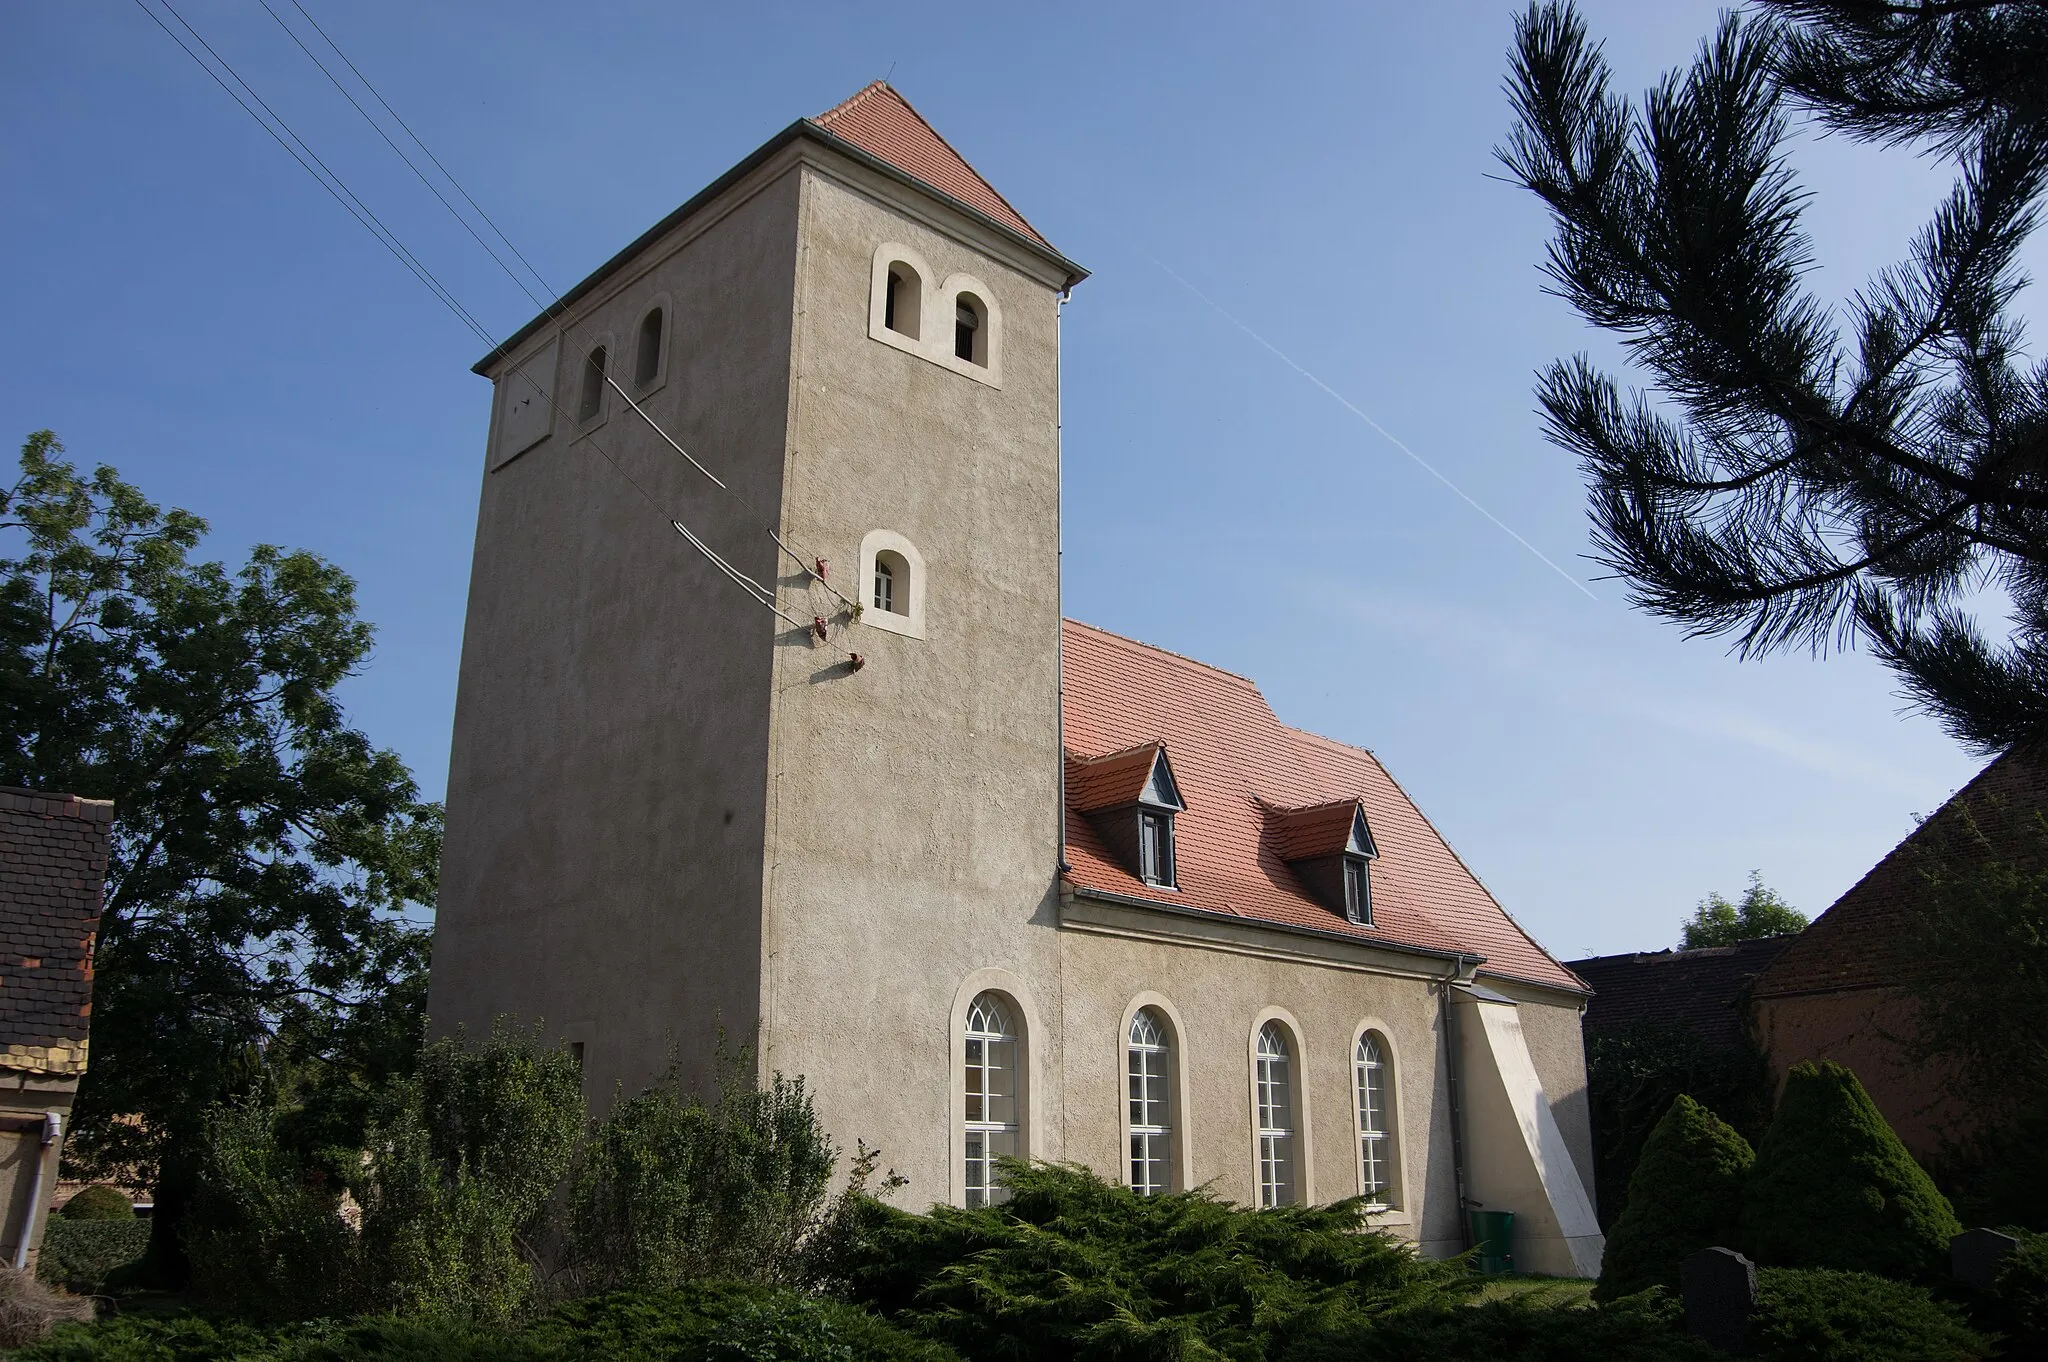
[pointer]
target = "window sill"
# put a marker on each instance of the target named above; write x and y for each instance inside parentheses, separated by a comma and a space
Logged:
(889, 620)
(981, 373)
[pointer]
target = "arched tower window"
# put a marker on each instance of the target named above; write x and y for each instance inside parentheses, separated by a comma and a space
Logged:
(892, 583)
(903, 300)
(1148, 1057)
(970, 330)
(591, 400)
(647, 355)
(1375, 1120)
(892, 570)
(993, 1057)
(1275, 1083)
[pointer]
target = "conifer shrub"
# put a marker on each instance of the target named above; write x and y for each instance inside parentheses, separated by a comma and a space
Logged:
(1821, 1315)
(1073, 1266)
(1685, 1195)
(2019, 1304)
(1643, 1328)
(78, 1255)
(98, 1202)
(1832, 1186)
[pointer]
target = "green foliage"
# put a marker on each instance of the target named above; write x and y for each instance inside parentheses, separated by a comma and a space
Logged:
(672, 1189)
(1758, 913)
(2019, 1304)
(1828, 1316)
(1072, 1266)
(709, 1322)
(1643, 1328)
(78, 1254)
(1833, 1187)
(1686, 1195)
(463, 1167)
(265, 855)
(98, 1202)
(1632, 1075)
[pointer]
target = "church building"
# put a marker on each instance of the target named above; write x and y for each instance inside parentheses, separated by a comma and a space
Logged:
(769, 726)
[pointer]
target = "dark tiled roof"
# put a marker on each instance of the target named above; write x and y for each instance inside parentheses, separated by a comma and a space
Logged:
(1703, 988)
(881, 122)
(1858, 943)
(1233, 760)
(53, 872)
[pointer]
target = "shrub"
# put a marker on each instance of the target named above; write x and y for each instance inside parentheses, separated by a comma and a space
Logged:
(1643, 1328)
(671, 1189)
(1686, 1195)
(2019, 1304)
(98, 1202)
(1826, 1316)
(1833, 1187)
(78, 1254)
(1072, 1265)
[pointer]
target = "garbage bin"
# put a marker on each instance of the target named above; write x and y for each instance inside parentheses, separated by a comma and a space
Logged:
(1492, 1234)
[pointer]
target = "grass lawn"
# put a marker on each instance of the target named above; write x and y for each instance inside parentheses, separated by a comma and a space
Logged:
(1559, 1293)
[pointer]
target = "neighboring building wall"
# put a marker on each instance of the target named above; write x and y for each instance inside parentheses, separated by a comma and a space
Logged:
(913, 807)
(607, 782)
(1863, 1030)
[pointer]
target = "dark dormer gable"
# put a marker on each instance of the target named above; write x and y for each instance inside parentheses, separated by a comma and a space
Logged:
(1130, 797)
(1330, 849)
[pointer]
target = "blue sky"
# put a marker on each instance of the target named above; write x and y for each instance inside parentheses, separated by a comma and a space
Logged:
(189, 306)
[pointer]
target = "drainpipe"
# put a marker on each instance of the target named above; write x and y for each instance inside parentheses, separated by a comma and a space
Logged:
(53, 1128)
(1460, 971)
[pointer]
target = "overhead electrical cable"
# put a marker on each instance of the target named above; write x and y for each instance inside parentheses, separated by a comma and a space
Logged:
(283, 134)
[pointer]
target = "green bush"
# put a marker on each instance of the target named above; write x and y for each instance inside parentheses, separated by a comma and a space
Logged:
(98, 1202)
(671, 1189)
(1820, 1315)
(1686, 1195)
(1073, 1266)
(1643, 1328)
(78, 1254)
(1833, 1187)
(2019, 1303)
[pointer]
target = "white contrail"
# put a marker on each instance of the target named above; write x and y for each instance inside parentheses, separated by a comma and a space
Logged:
(1391, 438)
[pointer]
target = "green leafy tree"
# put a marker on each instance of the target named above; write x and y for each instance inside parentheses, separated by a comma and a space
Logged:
(266, 856)
(1834, 1188)
(1758, 913)
(1686, 1195)
(1799, 474)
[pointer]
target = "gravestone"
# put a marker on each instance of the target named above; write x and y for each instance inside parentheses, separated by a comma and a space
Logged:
(1720, 1295)
(1975, 1257)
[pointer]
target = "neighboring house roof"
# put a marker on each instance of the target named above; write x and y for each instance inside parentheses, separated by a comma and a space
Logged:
(881, 122)
(1859, 942)
(1702, 988)
(53, 874)
(1234, 760)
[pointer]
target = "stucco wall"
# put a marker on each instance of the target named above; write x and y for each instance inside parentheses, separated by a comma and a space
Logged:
(24, 1098)
(912, 806)
(608, 774)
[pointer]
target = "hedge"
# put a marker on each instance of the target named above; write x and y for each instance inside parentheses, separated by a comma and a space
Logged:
(78, 1254)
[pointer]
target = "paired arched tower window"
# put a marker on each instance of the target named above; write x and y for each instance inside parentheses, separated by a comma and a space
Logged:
(993, 1089)
(953, 322)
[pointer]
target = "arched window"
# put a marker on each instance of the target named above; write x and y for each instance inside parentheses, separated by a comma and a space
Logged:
(1151, 1114)
(592, 400)
(903, 300)
(1375, 1120)
(992, 1125)
(892, 582)
(970, 341)
(1276, 1117)
(647, 356)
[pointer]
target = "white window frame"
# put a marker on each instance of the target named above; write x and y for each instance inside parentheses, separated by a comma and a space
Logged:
(909, 587)
(1148, 1101)
(1025, 1026)
(1371, 1072)
(1274, 1083)
(993, 1092)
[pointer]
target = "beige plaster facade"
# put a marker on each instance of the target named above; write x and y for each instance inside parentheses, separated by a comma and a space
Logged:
(671, 811)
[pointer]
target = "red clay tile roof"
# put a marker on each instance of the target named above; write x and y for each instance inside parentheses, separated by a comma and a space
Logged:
(1112, 780)
(1859, 942)
(53, 871)
(1702, 989)
(1318, 830)
(1232, 758)
(881, 122)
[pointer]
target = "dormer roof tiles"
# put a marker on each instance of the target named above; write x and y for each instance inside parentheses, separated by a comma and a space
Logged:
(1234, 762)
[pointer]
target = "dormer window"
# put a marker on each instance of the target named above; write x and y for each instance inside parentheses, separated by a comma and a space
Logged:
(1130, 799)
(1330, 849)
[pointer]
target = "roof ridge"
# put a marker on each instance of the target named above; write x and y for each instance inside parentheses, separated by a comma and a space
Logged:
(1168, 652)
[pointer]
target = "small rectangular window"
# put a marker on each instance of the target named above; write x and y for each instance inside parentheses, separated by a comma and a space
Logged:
(1155, 848)
(1357, 892)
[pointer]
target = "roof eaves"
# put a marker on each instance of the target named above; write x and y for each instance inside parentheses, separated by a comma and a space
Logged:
(1268, 924)
(803, 127)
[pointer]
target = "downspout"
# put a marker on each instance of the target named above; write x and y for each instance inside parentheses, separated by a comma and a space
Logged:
(1059, 690)
(1449, 1024)
(53, 1127)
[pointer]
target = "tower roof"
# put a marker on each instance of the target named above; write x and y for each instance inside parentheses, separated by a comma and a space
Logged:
(881, 122)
